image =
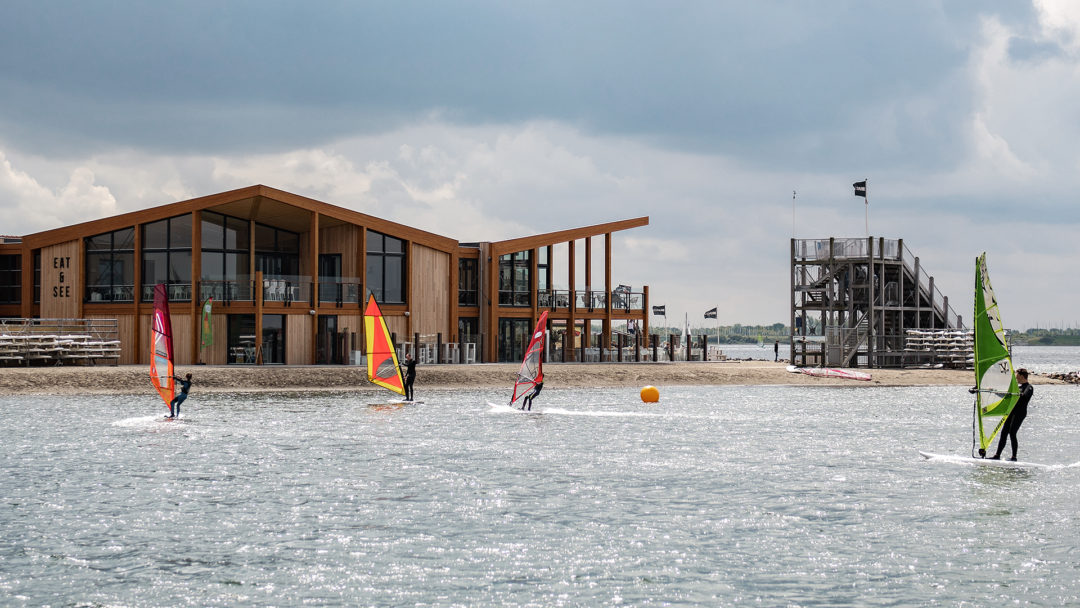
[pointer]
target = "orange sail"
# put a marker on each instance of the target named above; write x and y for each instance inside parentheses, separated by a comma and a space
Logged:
(532, 367)
(161, 353)
(382, 363)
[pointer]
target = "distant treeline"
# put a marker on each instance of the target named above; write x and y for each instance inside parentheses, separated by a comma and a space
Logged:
(1046, 337)
(731, 334)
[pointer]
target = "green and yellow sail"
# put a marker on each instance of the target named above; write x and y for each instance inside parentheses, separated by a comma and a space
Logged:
(996, 389)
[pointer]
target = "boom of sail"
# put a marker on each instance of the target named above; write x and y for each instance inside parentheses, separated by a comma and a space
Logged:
(532, 366)
(382, 362)
(161, 345)
(996, 390)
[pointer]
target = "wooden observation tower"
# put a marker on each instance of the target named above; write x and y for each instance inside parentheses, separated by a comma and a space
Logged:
(854, 299)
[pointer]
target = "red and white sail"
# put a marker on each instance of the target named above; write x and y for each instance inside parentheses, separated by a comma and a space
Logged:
(532, 367)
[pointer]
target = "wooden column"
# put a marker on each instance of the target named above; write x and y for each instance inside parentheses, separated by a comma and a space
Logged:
(196, 275)
(491, 352)
(313, 252)
(26, 297)
(137, 299)
(455, 269)
(409, 306)
(572, 321)
(258, 316)
(607, 292)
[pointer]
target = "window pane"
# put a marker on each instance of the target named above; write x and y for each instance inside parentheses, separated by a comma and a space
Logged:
(393, 245)
(288, 242)
(374, 242)
(180, 232)
(98, 269)
(213, 230)
(124, 269)
(213, 265)
(375, 275)
(237, 266)
(124, 240)
(394, 281)
(236, 234)
(180, 267)
(155, 235)
(265, 239)
(154, 269)
(100, 242)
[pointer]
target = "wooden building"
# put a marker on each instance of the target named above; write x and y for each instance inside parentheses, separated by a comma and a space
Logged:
(854, 300)
(289, 276)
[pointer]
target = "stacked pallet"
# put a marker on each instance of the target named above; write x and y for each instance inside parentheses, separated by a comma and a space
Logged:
(953, 348)
(58, 341)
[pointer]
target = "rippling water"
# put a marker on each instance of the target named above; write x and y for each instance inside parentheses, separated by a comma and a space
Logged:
(716, 496)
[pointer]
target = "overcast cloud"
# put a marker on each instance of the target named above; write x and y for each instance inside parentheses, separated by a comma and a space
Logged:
(490, 120)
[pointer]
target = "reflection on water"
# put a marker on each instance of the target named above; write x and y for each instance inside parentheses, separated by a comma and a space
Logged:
(714, 496)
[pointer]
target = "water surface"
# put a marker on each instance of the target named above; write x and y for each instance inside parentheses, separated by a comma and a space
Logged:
(716, 496)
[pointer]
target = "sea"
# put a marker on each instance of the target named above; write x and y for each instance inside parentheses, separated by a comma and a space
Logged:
(715, 496)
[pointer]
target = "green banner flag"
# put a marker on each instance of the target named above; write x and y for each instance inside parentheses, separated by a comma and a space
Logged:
(207, 326)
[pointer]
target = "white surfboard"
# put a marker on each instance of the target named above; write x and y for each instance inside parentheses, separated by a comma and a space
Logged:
(968, 460)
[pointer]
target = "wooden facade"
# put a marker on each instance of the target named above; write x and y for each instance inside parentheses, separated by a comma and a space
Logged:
(289, 276)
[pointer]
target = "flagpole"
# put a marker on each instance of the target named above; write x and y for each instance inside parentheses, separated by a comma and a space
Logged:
(866, 206)
(792, 236)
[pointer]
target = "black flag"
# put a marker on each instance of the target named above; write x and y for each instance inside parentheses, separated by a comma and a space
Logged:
(660, 310)
(860, 188)
(710, 314)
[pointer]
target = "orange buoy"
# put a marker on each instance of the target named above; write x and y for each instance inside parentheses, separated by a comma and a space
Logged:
(650, 394)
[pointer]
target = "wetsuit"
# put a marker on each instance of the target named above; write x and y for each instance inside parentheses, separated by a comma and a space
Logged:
(1015, 419)
(527, 403)
(410, 376)
(174, 405)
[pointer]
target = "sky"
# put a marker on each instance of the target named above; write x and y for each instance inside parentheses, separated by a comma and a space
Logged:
(488, 120)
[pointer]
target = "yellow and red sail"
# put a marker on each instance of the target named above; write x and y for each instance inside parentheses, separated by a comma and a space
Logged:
(161, 353)
(382, 362)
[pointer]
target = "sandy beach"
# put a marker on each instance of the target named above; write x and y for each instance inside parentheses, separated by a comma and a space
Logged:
(132, 379)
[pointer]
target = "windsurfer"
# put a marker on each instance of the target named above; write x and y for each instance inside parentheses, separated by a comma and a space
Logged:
(410, 375)
(527, 403)
(1016, 416)
(185, 386)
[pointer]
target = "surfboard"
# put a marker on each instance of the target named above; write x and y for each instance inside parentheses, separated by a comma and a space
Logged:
(968, 460)
(506, 409)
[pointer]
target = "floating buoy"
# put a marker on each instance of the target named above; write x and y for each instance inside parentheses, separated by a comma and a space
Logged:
(649, 394)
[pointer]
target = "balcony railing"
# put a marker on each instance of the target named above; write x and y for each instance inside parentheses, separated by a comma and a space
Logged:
(226, 291)
(345, 291)
(468, 297)
(559, 299)
(178, 292)
(110, 293)
(514, 298)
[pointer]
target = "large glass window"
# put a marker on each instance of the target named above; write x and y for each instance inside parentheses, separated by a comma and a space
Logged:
(273, 339)
(513, 338)
(110, 266)
(166, 257)
(241, 338)
(468, 282)
(226, 261)
(514, 279)
(10, 279)
(277, 252)
(386, 267)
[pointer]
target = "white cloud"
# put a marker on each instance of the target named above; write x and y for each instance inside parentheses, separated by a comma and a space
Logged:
(35, 207)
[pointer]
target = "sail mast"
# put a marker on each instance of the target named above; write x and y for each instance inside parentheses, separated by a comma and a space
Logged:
(996, 389)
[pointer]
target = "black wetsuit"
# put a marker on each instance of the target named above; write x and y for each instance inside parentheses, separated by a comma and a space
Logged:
(1015, 419)
(174, 405)
(410, 376)
(527, 403)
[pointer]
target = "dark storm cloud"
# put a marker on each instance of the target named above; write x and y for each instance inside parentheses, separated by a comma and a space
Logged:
(793, 82)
